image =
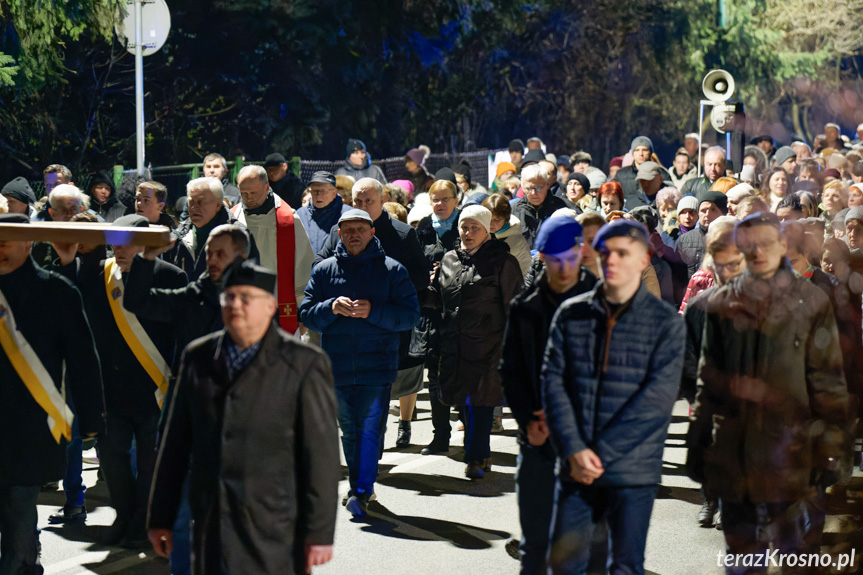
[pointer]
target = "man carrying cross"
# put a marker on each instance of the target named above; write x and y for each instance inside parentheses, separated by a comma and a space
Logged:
(34, 418)
(136, 355)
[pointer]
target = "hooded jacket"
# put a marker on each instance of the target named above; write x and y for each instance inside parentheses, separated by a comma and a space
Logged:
(364, 351)
(112, 208)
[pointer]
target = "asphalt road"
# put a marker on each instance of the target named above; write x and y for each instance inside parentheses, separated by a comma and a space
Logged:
(430, 520)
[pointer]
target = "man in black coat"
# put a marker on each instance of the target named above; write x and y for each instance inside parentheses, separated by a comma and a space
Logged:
(34, 453)
(193, 310)
(537, 205)
(530, 316)
(136, 356)
(206, 211)
(254, 412)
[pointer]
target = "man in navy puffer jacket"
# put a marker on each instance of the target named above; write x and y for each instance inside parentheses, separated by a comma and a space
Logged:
(609, 381)
(360, 299)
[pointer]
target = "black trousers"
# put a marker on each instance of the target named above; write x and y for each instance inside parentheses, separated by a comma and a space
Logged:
(129, 493)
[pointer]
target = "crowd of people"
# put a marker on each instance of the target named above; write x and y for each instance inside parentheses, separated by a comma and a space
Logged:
(217, 373)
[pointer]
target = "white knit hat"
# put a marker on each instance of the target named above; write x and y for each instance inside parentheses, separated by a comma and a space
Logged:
(740, 191)
(418, 212)
(478, 213)
(687, 203)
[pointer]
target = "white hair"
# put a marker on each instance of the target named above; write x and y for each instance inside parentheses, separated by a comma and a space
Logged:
(68, 191)
(365, 183)
(211, 185)
(534, 171)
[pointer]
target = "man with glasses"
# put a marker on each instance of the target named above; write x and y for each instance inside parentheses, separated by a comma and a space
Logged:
(768, 430)
(253, 414)
(321, 214)
(537, 205)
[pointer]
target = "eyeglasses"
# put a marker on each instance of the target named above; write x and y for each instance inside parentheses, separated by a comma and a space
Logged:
(228, 299)
(531, 189)
(730, 266)
(441, 200)
(321, 191)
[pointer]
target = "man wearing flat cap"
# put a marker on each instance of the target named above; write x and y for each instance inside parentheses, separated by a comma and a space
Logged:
(136, 355)
(283, 181)
(359, 300)
(561, 277)
(769, 429)
(323, 212)
(253, 414)
(609, 381)
(34, 354)
(650, 179)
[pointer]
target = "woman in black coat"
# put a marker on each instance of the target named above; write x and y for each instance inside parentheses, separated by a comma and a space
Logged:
(472, 289)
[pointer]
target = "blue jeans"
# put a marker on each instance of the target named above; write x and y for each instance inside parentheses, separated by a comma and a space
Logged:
(73, 483)
(477, 432)
(792, 527)
(181, 554)
(534, 488)
(580, 511)
(18, 535)
(360, 411)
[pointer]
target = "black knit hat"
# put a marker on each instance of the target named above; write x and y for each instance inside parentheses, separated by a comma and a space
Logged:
(20, 190)
(516, 146)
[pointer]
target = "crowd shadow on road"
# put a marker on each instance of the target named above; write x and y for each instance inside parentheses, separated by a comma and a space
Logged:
(494, 485)
(382, 521)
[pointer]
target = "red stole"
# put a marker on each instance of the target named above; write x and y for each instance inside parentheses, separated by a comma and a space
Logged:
(286, 244)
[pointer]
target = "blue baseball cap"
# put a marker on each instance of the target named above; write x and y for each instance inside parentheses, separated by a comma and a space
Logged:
(621, 228)
(557, 234)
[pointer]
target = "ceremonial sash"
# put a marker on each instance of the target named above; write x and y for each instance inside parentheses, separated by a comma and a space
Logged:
(286, 244)
(36, 378)
(133, 332)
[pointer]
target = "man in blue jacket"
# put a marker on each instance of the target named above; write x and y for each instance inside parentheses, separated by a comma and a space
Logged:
(609, 381)
(322, 213)
(360, 299)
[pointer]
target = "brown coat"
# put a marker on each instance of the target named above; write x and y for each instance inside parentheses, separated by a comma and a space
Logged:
(772, 401)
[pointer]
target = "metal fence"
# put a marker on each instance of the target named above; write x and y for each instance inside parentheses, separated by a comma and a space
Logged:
(175, 178)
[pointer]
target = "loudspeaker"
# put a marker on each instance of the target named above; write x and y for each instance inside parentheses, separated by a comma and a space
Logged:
(718, 85)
